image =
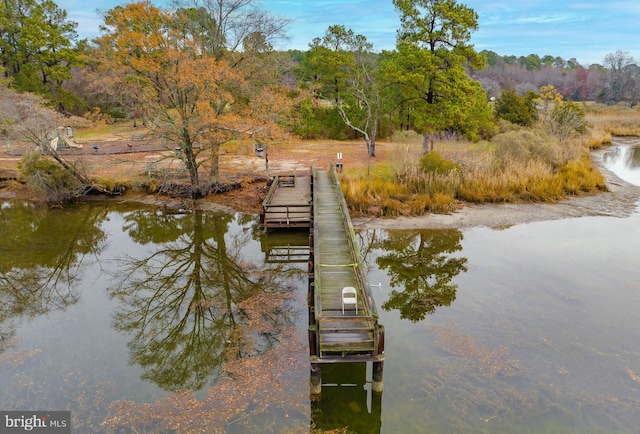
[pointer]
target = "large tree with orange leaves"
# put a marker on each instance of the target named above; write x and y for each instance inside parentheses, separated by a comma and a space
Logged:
(195, 99)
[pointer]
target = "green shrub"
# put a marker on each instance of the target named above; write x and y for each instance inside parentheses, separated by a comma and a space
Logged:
(321, 122)
(504, 126)
(516, 109)
(44, 175)
(433, 163)
(568, 119)
(527, 144)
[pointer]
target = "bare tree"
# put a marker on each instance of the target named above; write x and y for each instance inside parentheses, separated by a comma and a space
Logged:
(623, 78)
(26, 118)
(225, 25)
(345, 70)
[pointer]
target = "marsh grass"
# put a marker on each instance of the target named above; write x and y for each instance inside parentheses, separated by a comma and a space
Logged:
(607, 121)
(517, 166)
(381, 193)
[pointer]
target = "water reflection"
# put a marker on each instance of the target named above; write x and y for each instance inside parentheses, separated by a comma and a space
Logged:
(188, 303)
(285, 247)
(422, 265)
(41, 253)
(200, 313)
(624, 161)
(347, 401)
(548, 345)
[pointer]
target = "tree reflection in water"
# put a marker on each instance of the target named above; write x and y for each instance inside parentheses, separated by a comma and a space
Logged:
(41, 252)
(629, 156)
(624, 161)
(198, 312)
(424, 265)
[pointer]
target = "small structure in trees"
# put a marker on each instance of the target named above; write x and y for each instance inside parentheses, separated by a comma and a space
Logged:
(62, 137)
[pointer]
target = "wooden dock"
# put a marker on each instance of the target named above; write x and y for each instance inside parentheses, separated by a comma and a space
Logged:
(338, 333)
(288, 203)
(336, 336)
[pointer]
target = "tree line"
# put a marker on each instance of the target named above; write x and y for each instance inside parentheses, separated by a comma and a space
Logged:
(202, 73)
(616, 80)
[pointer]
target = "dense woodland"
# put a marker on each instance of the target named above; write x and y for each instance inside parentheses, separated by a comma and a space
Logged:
(203, 73)
(614, 81)
(41, 53)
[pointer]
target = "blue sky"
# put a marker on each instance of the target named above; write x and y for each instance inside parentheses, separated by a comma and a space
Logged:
(586, 30)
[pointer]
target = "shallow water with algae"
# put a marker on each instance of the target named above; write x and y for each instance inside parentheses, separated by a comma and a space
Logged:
(137, 320)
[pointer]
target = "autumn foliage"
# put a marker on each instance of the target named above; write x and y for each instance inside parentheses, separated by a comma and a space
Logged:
(191, 96)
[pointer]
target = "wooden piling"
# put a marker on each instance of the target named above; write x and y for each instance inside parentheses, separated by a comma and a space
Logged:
(378, 367)
(376, 380)
(313, 341)
(315, 382)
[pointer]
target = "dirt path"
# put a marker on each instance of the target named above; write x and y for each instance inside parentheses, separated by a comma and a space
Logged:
(621, 201)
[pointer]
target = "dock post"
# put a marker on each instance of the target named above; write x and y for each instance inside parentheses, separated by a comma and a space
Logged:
(378, 366)
(316, 379)
(311, 268)
(313, 341)
(376, 384)
(311, 291)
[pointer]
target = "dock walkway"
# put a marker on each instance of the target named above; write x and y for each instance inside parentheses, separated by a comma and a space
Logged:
(339, 333)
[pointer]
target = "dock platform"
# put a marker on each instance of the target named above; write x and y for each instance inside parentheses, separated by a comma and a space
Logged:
(339, 330)
(288, 203)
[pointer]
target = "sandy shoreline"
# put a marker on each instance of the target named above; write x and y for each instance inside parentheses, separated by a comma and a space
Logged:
(620, 201)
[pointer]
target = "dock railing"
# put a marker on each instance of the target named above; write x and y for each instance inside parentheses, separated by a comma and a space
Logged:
(284, 215)
(360, 269)
(334, 337)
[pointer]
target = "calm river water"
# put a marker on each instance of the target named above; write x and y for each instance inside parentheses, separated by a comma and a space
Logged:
(141, 321)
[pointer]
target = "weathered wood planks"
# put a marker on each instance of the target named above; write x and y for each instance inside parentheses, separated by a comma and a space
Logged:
(288, 203)
(347, 336)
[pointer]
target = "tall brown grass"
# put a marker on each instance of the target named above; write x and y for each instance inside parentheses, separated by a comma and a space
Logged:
(519, 166)
(381, 193)
(608, 121)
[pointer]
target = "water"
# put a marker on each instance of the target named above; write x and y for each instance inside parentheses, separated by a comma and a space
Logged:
(624, 160)
(133, 319)
(105, 307)
(541, 336)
